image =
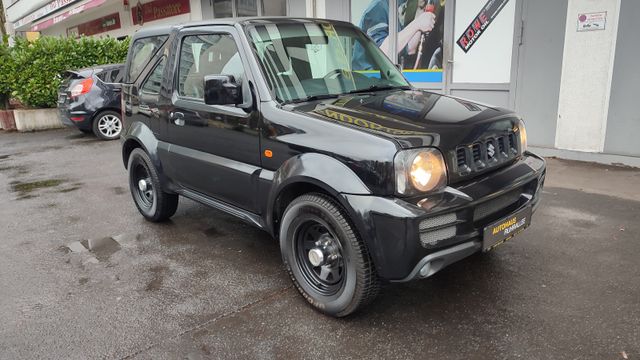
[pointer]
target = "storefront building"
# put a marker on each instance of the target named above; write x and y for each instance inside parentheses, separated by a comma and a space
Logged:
(567, 66)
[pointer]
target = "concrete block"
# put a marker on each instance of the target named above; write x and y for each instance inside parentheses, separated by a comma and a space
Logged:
(7, 121)
(37, 119)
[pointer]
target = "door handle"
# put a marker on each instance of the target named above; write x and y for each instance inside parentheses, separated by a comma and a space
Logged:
(178, 118)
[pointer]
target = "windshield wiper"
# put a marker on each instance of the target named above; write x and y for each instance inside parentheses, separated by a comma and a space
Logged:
(311, 98)
(378, 88)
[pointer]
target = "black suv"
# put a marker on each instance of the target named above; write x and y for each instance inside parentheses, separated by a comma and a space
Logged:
(361, 177)
(89, 99)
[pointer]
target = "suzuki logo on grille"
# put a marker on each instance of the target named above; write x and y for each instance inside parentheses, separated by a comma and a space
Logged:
(491, 150)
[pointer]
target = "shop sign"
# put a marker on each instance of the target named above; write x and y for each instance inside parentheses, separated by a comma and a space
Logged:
(58, 19)
(158, 9)
(480, 23)
(592, 21)
(43, 11)
(97, 26)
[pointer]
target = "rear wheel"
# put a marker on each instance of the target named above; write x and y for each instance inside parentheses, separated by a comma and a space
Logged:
(327, 261)
(153, 203)
(107, 125)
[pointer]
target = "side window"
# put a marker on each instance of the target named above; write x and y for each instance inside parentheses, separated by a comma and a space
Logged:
(116, 75)
(201, 55)
(154, 81)
(104, 76)
(141, 52)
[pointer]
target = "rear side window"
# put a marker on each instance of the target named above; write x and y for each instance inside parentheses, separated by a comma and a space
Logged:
(113, 75)
(141, 52)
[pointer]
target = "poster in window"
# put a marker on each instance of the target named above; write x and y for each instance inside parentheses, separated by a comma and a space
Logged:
(420, 29)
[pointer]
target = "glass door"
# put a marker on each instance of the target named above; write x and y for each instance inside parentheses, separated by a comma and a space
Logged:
(481, 59)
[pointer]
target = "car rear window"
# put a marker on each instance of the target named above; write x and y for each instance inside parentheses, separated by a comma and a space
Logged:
(112, 75)
(141, 52)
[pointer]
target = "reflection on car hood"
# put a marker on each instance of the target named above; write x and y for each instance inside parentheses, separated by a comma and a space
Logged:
(414, 117)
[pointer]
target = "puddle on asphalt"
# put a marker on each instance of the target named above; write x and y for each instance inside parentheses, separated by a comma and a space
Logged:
(73, 187)
(158, 273)
(101, 249)
(24, 189)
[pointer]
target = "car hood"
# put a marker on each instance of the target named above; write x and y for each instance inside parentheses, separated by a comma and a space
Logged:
(414, 118)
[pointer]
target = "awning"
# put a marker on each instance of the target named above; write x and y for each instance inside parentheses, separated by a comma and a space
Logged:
(67, 14)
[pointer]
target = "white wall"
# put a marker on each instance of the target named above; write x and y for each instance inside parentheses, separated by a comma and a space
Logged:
(585, 83)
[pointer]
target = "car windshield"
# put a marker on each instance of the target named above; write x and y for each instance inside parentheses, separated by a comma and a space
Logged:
(305, 61)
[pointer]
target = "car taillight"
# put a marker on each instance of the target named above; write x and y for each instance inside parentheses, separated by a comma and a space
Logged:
(82, 87)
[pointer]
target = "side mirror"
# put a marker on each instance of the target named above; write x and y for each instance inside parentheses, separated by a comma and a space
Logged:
(221, 90)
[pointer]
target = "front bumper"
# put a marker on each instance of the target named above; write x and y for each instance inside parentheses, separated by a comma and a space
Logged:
(405, 235)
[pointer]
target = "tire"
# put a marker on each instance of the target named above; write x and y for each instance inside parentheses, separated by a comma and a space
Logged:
(107, 125)
(350, 280)
(153, 203)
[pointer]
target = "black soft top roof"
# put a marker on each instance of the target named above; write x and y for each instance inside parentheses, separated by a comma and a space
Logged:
(166, 29)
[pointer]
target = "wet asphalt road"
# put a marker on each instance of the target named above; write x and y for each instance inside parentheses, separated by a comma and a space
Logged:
(208, 286)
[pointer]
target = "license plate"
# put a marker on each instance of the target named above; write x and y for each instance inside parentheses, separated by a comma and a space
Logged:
(506, 228)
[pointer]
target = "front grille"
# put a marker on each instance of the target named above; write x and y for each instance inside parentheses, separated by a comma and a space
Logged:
(486, 153)
(437, 228)
(431, 238)
(494, 205)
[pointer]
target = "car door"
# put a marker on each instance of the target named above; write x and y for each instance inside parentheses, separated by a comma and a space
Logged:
(214, 149)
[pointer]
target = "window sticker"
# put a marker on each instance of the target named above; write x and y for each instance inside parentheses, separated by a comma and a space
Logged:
(480, 23)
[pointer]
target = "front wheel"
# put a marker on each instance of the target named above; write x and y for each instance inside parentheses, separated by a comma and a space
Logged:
(153, 203)
(327, 261)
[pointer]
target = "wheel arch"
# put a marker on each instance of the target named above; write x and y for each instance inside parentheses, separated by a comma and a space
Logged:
(99, 112)
(140, 136)
(309, 173)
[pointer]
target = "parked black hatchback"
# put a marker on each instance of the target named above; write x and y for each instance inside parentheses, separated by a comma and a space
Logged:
(361, 177)
(89, 99)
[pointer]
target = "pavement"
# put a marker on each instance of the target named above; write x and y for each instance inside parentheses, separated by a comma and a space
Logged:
(82, 275)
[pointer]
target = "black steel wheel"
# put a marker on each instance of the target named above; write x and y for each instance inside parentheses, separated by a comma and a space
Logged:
(144, 183)
(319, 256)
(325, 257)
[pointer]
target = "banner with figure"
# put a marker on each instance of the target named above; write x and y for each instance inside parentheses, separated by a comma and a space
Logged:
(419, 34)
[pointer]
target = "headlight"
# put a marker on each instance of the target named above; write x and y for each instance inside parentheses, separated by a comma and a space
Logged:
(419, 170)
(522, 134)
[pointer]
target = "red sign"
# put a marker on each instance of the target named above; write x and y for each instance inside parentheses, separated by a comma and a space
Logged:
(158, 9)
(97, 26)
(86, 6)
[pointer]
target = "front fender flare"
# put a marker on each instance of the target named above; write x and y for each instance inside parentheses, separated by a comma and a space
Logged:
(320, 170)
